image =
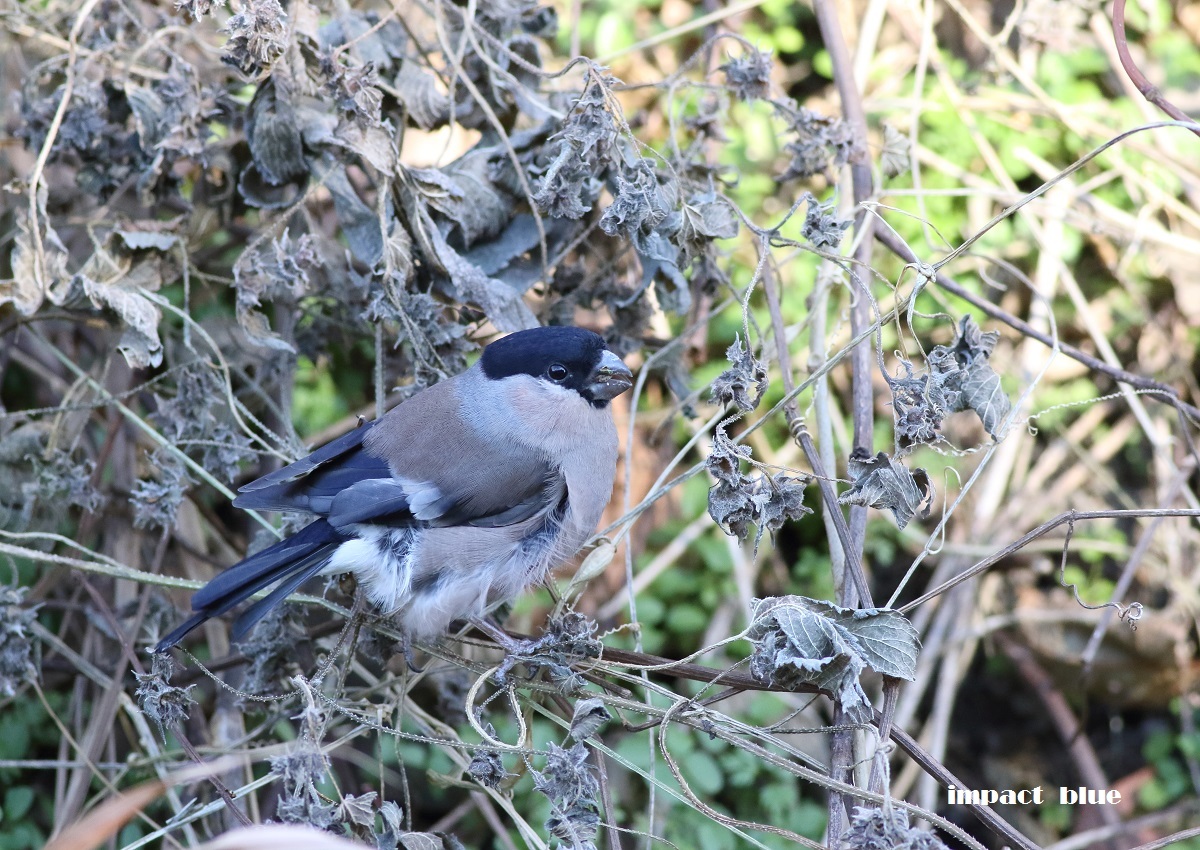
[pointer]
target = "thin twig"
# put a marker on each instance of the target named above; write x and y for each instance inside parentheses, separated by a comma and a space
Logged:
(1150, 91)
(1046, 527)
(862, 390)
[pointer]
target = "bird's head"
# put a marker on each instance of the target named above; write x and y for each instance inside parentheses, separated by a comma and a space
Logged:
(572, 358)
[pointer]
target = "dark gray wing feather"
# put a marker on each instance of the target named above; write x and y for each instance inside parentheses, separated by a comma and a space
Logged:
(311, 483)
(348, 483)
(523, 506)
(372, 500)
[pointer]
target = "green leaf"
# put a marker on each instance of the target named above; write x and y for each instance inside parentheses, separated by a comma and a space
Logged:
(702, 773)
(687, 619)
(17, 802)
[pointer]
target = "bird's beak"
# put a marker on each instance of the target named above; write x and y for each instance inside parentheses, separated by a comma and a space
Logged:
(611, 377)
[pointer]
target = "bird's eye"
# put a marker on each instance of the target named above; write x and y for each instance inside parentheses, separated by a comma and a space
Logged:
(557, 372)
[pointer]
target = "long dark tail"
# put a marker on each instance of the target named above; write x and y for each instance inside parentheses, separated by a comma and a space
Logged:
(290, 562)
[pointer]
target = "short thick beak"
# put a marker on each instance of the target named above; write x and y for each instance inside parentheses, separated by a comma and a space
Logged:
(611, 378)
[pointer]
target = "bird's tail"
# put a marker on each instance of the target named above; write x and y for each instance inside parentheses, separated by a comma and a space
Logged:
(290, 562)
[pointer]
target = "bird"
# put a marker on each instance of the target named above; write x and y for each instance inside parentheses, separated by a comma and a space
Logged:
(455, 501)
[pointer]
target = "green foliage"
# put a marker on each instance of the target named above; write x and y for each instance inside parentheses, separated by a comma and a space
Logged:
(1166, 751)
(730, 779)
(318, 400)
(26, 810)
(1092, 589)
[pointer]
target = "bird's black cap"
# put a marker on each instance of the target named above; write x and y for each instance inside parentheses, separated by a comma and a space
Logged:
(540, 352)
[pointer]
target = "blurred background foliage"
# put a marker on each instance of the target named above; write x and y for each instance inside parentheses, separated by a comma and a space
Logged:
(250, 225)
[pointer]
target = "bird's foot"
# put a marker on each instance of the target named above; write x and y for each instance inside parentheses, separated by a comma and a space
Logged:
(406, 646)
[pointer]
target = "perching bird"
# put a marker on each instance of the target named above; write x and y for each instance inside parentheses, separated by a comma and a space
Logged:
(455, 501)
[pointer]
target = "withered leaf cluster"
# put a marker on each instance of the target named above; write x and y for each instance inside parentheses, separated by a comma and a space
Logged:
(276, 165)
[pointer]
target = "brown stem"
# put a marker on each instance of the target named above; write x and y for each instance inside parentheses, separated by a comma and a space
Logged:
(862, 390)
(743, 681)
(1148, 89)
(799, 431)
(905, 741)
(610, 825)
(220, 787)
(939, 772)
(891, 696)
(1069, 517)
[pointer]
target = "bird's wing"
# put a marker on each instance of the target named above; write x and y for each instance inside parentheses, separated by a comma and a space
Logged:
(397, 502)
(311, 483)
(421, 464)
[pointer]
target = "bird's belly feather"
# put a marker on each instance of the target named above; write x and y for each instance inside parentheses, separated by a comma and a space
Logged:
(433, 576)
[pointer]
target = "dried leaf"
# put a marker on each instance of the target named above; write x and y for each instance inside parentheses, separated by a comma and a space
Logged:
(593, 565)
(428, 841)
(571, 786)
(821, 141)
(660, 264)
(590, 126)
(590, 714)
(873, 828)
(118, 292)
(373, 144)
(569, 186)
(379, 44)
(517, 239)
(275, 137)
(359, 809)
(197, 8)
(725, 459)
(23, 290)
(360, 224)
(487, 768)
(141, 240)
(258, 330)
(638, 203)
(354, 89)
(501, 303)
(469, 198)
(736, 501)
(919, 404)
(963, 368)
(766, 502)
(749, 75)
(570, 173)
(895, 158)
(706, 216)
(744, 383)
(822, 228)
(16, 644)
(162, 702)
(257, 36)
(802, 641)
(883, 483)
(418, 90)
(259, 192)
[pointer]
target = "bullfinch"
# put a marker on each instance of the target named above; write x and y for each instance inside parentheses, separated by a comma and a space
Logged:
(454, 501)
